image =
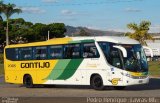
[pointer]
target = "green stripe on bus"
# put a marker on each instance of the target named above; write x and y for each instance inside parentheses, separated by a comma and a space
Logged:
(87, 41)
(145, 73)
(70, 69)
(58, 69)
(75, 42)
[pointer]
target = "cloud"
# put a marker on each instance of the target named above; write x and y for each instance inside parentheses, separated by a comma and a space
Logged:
(132, 10)
(33, 10)
(71, 13)
(49, 1)
(67, 12)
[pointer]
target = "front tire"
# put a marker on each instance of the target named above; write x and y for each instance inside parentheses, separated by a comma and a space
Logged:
(28, 82)
(97, 82)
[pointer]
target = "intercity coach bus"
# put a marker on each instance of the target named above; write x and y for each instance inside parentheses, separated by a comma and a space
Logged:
(96, 61)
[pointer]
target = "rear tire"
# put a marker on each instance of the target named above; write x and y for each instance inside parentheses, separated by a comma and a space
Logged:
(97, 82)
(28, 82)
(119, 87)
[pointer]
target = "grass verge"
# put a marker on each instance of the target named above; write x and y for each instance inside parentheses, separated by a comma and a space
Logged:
(154, 68)
(1, 69)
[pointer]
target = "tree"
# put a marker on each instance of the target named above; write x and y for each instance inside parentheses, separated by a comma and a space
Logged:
(21, 31)
(2, 32)
(140, 31)
(1, 7)
(83, 33)
(41, 31)
(57, 30)
(8, 10)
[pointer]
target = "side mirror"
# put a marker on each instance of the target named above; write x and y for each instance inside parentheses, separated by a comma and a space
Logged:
(124, 51)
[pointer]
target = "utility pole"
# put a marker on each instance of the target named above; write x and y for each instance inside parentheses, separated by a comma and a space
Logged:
(48, 34)
(7, 39)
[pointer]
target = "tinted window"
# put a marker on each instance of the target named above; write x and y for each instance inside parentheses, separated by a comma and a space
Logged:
(105, 48)
(115, 58)
(12, 54)
(72, 51)
(112, 54)
(40, 53)
(90, 51)
(25, 53)
(55, 52)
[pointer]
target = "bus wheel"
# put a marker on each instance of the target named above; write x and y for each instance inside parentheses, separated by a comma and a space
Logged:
(119, 87)
(27, 81)
(97, 83)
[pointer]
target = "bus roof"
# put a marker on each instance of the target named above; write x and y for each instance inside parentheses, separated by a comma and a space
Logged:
(66, 40)
(113, 39)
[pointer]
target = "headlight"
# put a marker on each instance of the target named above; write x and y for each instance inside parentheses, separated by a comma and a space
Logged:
(133, 77)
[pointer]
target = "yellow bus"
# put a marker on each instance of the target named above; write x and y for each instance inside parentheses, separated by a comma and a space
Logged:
(96, 61)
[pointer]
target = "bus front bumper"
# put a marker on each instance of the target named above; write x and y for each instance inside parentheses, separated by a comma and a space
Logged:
(135, 81)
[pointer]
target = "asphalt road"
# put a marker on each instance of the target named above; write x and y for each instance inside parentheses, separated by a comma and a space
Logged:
(12, 90)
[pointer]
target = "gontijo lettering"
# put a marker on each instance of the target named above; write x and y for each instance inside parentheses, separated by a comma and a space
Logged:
(35, 65)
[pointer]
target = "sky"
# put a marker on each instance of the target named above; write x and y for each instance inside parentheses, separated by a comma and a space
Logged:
(106, 15)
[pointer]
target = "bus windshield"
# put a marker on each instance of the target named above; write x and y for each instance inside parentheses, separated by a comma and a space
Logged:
(134, 62)
(136, 59)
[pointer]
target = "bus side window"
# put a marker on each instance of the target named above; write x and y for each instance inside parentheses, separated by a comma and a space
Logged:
(40, 53)
(72, 51)
(55, 52)
(25, 53)
(105, 48)
(90, 51)
(12, 54)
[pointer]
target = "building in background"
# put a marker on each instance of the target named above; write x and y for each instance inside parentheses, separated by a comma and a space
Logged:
(155, 46)
(149, 53)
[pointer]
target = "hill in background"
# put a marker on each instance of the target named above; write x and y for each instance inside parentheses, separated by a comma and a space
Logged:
(75, 31)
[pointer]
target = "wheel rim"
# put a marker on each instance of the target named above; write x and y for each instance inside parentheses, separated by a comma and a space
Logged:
(98, 82)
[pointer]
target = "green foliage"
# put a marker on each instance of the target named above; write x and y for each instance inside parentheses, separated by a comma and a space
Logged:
(2, 32)
(40, 31)
(84, 33)
(9, 9)
(1, 5)
(140, 31)
(57, 30)
(22, 31)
